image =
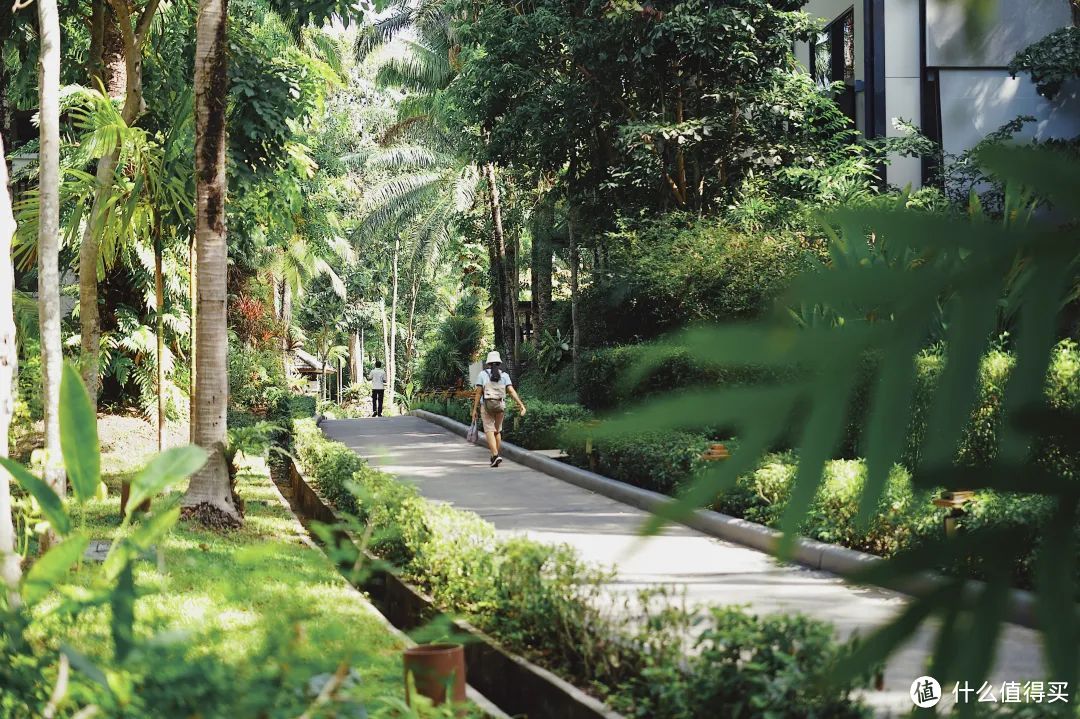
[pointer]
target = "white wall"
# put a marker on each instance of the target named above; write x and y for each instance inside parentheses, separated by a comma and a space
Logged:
(977, 102)
(902, 89)
(952, 40)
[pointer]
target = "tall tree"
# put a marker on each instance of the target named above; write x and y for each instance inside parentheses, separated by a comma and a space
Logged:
(106, 29)
(9, 560)
(49, 236)
(541, 264)
(209, 495)
(391, 357)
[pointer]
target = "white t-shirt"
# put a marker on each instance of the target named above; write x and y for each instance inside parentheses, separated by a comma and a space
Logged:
(378, 377)
(484, 377)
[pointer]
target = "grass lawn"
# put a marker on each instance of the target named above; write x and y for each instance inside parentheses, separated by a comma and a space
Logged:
(248, 617)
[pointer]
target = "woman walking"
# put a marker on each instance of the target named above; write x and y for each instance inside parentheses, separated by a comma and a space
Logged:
(378, 384)
(492, 386)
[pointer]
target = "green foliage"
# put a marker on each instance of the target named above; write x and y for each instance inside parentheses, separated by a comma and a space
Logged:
(974, 268)
(458, 342)
(983, 434)
(660, 461)
(551, 351)
(665, 106)
(680, 270)
(30, 380)
(1052, 61)
(256, 378)
(604, 382)
(330, 465)
(741, 666)
(541, 426)
(545, 602)
(78, 435)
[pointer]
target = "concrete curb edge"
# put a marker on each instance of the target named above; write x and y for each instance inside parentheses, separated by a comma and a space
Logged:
(810, 553)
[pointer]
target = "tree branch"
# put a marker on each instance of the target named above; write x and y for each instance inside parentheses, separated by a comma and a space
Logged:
(142, 29)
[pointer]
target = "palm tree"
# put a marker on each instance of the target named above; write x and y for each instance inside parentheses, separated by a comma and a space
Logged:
(133, 34)
(49, 237)
(9, 559)
(292, 267)
(425, 67)
(209, 496)
(159, 187)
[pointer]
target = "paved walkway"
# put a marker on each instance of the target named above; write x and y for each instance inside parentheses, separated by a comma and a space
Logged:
(518, 500)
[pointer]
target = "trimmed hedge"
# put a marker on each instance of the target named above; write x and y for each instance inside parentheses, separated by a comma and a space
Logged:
(544, 602)
(330, 465)
(538, 429)
(601, 388)
(662, 462)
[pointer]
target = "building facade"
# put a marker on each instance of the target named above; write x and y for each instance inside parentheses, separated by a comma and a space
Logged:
(924, 62)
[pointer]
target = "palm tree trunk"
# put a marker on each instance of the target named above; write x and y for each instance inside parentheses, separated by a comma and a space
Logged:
(132, 41)
(575, 262)
(9, 559)
(49, 238)
(356, 367)
(193, 314)
(209, 495)
(391, 362)
(159, 297)
(285, 318)
(509, 298)
(410, 338)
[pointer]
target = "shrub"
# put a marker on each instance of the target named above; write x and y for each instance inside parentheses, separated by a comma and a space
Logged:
(603, 387)
(256, 377)
(602, 373)
(558, 386)
(541, 425)
(978, 446)
(680, 269)
(741, 666)
(540, 428)
(330, 465)
(662, 462)
(543, 601)
(902, 520)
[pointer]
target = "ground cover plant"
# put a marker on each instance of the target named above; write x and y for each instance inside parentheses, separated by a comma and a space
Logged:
(179, 621)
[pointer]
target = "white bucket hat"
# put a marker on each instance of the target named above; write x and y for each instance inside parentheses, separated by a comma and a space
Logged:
(493, 358)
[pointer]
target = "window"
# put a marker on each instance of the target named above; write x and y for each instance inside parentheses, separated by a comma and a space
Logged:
(832, 60)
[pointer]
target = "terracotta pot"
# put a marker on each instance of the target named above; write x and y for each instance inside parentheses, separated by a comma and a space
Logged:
(435, 668)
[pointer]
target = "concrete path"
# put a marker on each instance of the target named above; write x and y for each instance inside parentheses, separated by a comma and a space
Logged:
(518, 500)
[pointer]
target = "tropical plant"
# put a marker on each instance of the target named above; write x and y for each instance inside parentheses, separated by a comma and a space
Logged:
(132, 33)
(209, 494)
(551, 351)
(114, 585)
(886, 309)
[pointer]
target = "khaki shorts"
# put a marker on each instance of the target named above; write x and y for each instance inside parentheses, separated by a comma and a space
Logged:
(492, 420)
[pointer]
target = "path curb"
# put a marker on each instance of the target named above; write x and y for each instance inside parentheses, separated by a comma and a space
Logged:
(535, 690)
(810, 553)
(486, 705)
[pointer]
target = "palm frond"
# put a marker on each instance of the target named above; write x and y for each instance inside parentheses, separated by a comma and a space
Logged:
(370, 37)
(404, 125)
(407, 157)
(420, 69)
